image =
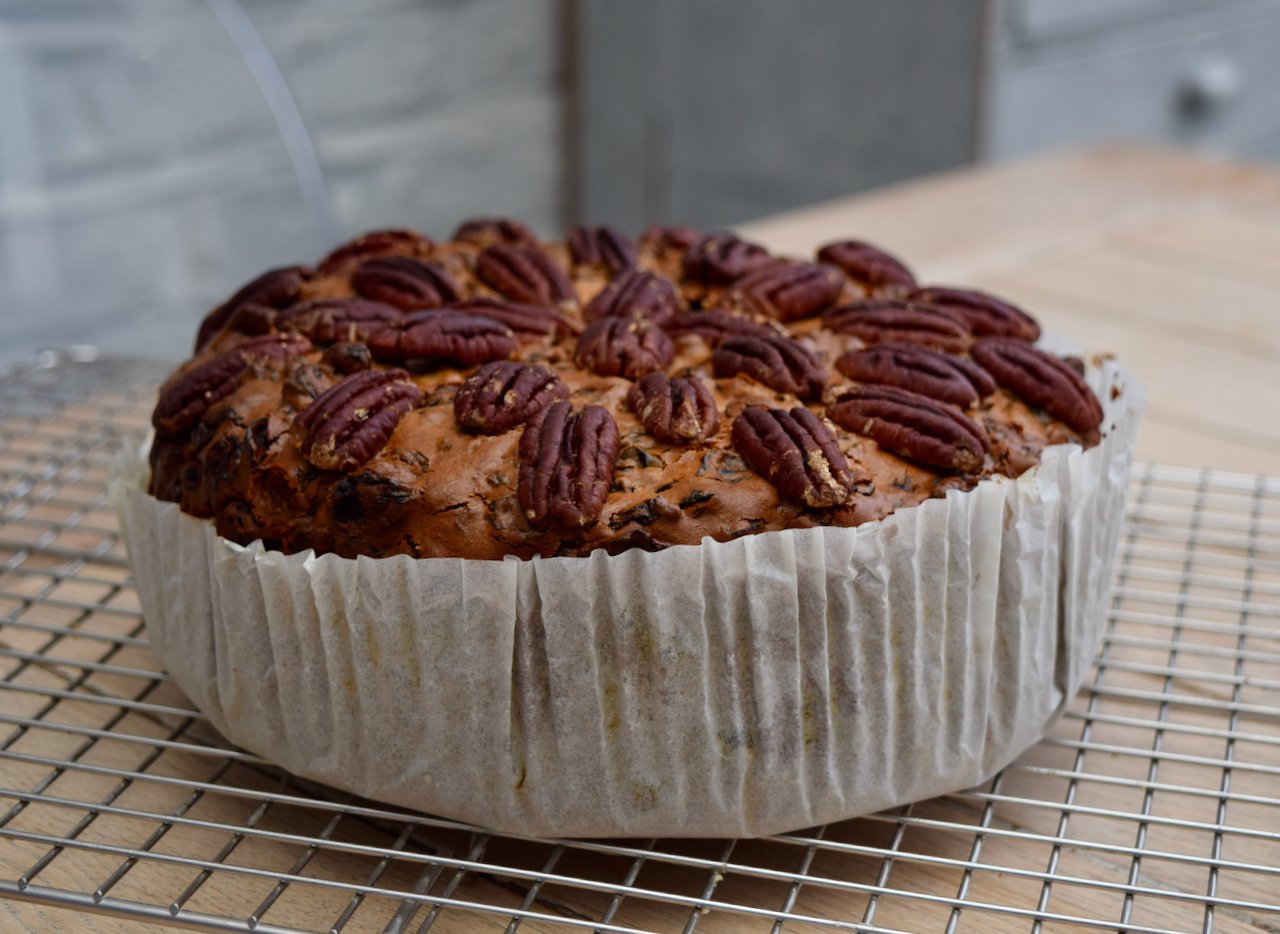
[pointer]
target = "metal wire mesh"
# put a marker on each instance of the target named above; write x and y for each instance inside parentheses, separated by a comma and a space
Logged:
(1153, 804)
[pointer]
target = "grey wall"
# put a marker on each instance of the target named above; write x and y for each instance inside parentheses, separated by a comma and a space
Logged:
(142, 177)
(710, 112)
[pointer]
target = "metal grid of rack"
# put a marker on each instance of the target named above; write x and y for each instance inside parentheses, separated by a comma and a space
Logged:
(1153, 804)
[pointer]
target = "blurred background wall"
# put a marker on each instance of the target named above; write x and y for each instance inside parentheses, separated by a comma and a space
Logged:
(143, 176)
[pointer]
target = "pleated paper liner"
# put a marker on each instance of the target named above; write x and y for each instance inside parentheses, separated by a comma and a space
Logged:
(778, 681)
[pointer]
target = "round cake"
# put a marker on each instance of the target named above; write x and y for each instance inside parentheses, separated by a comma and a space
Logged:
(494, 395)
(781, 542)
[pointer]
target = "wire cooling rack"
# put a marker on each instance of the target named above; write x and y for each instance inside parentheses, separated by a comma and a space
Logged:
(1153, 805)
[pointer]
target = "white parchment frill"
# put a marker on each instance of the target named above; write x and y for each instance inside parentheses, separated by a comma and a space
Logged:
(778, 681)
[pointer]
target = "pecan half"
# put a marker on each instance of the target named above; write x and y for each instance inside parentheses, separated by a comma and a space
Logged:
(566, 465)
(275, 289)
(373, 243)
(889, 319)
(674, 410)
(912, 426)
(252, 320)
(327, 320)
(984, 315)
(715, 326)
(778, 362)
(661, 239)
(527, 322)
(720, 258)
(486, 231)
(795, 452)
(602, 246)
(629, 347)
(920, 369)
(442, 335)
(635, 293)
(347, 358)
(873, 269)
(503, 394)
(186, 400)
(347, 425)
(1041, 379)
(405, 283)
(524, 274)
(787, 291)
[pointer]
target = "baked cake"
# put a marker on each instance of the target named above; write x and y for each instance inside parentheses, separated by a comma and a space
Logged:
(496, 395)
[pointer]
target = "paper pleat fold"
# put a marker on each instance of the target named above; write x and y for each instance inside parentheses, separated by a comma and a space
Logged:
(778, 681)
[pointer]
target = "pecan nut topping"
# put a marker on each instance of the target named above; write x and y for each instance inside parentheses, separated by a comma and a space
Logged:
(252, 320)
(795, 452)
(327, 320)
(524, 274)
(442, 335)
(185, 401)
(716, 326)
(503, 394)
(721, 258)
(889, 319)
(912, 426)
(602, 246)
(348, 424)
(919, 369)
(629, 347)
(660, 239)
(873, 269)
(277, 288)
(778, 362)
(675, 410)
(566, 465)
(984, 315)
(374, 243)
(787, 291)
(1041, 379)
(635, 293)
(486, 231)
(527, 322)
(405, 283)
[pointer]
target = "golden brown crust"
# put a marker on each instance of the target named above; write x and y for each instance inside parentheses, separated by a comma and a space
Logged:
(437, 491)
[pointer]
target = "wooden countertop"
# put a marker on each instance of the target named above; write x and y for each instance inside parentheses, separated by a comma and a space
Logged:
(1169, 260)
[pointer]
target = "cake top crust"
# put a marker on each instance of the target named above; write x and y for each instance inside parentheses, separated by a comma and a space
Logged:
(495, 395)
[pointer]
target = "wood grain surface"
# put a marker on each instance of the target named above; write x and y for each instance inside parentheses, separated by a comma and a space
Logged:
(1168, 260)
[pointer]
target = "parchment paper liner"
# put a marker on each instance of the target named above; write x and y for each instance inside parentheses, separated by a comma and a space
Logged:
(779, 681)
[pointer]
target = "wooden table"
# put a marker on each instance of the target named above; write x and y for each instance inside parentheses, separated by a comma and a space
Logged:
(1169, 260)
